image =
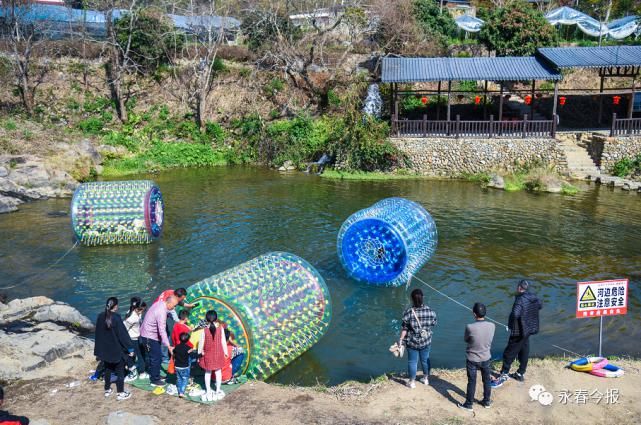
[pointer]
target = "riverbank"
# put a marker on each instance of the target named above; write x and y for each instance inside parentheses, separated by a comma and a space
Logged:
(384, 400)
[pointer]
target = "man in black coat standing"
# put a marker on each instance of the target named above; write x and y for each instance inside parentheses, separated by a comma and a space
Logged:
(523, 322)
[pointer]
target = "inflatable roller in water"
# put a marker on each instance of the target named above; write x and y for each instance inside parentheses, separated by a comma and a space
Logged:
(120, 212)
(388, 242)
(277, 306)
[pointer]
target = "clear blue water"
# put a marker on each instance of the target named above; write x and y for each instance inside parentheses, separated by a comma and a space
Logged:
(217, 218)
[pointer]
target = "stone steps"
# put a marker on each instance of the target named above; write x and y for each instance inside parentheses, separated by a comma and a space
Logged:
(579, 162)
(613, 181)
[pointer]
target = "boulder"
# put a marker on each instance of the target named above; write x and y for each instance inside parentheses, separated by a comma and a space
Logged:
(8, 204)
(553, 186)
(4, 172)
(63, 313)
(85, 148)
(496, 182)
(126, 418)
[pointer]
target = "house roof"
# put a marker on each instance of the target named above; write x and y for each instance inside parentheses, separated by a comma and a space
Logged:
(592, 57)
(405, 70)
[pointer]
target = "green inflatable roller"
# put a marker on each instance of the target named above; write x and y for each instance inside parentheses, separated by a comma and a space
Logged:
(277, 305)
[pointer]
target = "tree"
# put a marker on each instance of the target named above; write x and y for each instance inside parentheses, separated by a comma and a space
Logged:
(263, 27)
(24, 35)
(314, 60)
(517, 29)
(432, 20)
(196, 65)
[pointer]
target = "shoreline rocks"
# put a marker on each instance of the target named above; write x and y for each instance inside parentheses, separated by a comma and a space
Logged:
(41, 337)
(25, 178)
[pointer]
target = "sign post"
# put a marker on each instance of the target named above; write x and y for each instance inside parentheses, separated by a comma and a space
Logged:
(601, 298)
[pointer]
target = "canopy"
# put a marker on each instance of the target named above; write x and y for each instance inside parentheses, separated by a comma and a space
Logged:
(618, 29)
(469, 23)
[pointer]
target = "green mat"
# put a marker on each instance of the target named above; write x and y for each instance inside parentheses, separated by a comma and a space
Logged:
(198, 378)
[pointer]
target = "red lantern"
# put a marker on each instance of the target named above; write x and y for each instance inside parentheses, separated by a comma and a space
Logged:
(528, 99)
(616, 100)
(562, 100)
(477, 100)
(424, 100)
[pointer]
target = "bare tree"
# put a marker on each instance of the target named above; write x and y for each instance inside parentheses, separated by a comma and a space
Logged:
(24, 35)
(195, 62)
(314, 57)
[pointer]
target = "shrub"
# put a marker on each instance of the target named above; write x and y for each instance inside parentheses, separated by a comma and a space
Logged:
(366, 147)
(627, 166)
(91, 125)
(517, 29)
(274, 86)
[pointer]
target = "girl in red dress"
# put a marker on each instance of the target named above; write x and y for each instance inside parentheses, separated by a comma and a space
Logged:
(213, 350)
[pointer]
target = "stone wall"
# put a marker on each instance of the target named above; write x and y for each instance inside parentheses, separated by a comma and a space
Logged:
(453, 157)
(609, 150)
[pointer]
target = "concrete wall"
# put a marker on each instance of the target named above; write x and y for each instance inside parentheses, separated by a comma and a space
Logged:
(453, 157)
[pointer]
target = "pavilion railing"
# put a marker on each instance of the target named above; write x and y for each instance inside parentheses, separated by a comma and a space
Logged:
(457, 128)
(625, 126)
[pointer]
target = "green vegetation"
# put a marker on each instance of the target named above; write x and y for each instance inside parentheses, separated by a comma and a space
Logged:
(517, 29)
(627, 167)
(483, 178)
(430, 19)
(401, 174)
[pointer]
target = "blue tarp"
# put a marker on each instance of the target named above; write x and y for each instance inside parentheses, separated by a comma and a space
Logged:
(60, 19)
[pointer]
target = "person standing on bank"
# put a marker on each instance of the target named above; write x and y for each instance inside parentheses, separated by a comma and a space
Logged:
(523, 322)
(112, 346)
(153, 335)
(479, 336)
(416, 334)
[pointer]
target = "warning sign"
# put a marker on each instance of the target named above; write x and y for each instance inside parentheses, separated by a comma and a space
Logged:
(601, 298)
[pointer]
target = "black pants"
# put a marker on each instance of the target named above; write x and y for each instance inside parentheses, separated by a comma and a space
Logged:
(516, 347)
(119, 370)
(472, 367)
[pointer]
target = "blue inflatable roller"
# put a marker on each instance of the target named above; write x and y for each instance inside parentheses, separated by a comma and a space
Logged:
(387, 243)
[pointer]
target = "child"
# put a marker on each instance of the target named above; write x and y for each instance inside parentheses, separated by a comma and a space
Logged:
(181, 327)
(235, 359)
(181, 362)
(213, 351)
(133, 320)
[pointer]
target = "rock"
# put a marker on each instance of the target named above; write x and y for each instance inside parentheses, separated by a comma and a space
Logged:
(8, 204)
(553, 186)
(4, 172)
(33, 336)
(40, 422)
(282, 168)
(126, 418)
(496, 182)
(85, 148)
(63, 313)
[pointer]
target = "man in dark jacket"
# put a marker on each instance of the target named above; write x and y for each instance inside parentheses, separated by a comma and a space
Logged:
(523, 322)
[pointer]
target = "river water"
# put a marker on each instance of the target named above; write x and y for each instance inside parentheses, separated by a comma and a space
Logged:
(488, 239)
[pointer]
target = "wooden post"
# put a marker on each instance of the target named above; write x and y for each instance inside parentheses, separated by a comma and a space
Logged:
(601, 97)
(391, 101)
(631, 105)
(396, 117)
(501, 103)
(556, 95)
(553, 126)
(485, 101)
(612, 128)
(458, 125)
(491, 126)
(438, 102)
(532, 99)
(424, 125)
(449, 96)
(524, 125)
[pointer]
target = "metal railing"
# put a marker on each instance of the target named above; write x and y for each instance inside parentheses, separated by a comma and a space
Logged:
(457, 128)
(625, 126)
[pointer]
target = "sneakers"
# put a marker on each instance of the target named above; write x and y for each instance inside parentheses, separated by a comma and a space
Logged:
(158, 383)
(411, 384)
(465, 407)
(143, 375)
(131, 377)
(94, 377)
(499, 381)
(517, 376)
(208, 396)
(123, 396)
(486, 404)
(171, 389)
(109, 392)
(220, 395)
(425, 380)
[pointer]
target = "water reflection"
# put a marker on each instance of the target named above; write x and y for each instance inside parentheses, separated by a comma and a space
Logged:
(218, 218)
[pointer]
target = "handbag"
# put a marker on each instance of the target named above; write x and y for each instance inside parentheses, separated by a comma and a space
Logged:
(397, 350)
(171, 367)
(422, 332)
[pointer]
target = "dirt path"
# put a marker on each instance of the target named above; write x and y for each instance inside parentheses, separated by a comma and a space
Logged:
(384, 401)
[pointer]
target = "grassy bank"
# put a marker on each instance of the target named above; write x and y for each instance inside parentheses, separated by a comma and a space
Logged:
(528, 177)
(371, 176)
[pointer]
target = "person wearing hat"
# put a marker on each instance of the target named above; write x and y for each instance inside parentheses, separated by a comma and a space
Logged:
(523, 322)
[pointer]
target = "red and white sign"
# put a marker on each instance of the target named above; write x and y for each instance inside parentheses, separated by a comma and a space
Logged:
(601, 298)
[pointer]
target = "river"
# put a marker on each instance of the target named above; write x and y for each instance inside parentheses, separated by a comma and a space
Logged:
(488, 239)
